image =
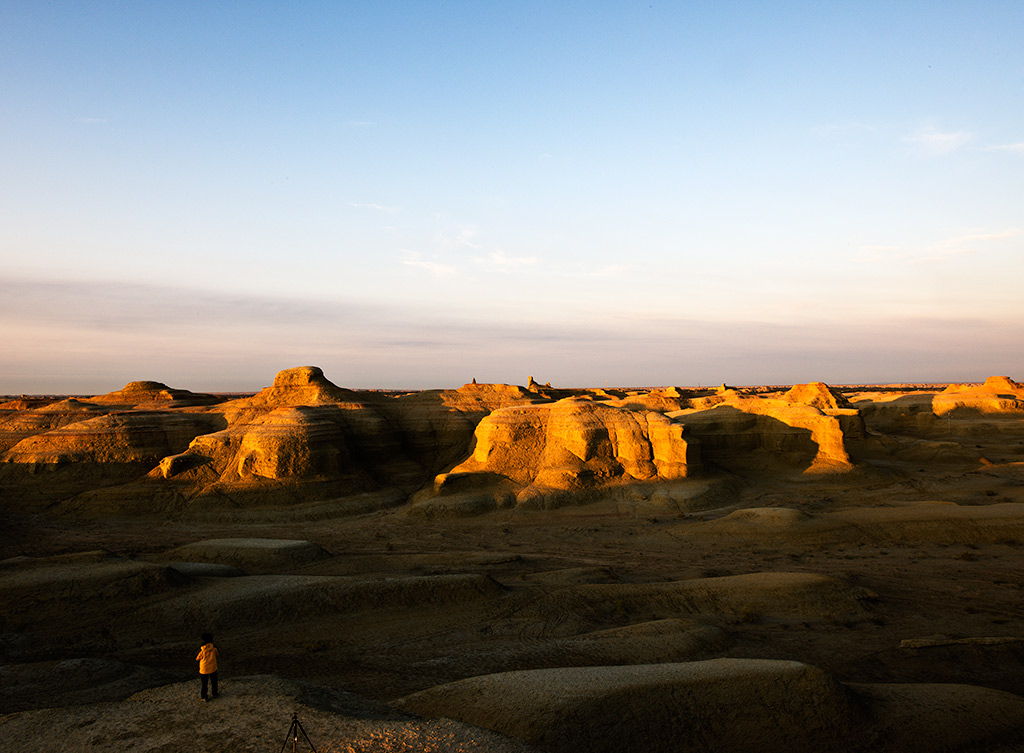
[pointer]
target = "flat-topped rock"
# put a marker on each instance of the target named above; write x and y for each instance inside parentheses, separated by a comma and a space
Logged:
(148, 392)
(140, 437)
(249, 554)
(714, 705)
(998, 395)
(754, 705)
(302, 385)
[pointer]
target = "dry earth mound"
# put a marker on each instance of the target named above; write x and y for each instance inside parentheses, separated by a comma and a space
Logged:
(67, 682)
(47, 592)
(146, 394)
(252, 714)
(260, 601)
(722, 705)
(250, 555)
(652, 642)
(937, 522)
(776, 595)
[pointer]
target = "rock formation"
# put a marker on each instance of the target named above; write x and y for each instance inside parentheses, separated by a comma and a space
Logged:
(18, 424)
(130, 438)
(304, 439)
(573, 444)
(146, 394)
(809, 423)
(892, 592)
(998, 395)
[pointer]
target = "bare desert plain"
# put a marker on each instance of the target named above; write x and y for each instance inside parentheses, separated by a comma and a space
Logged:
(515, 568)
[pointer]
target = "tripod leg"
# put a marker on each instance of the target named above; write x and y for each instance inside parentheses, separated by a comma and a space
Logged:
(308, 741)
(292, 735)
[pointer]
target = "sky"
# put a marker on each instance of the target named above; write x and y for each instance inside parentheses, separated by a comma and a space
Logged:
(415, 194)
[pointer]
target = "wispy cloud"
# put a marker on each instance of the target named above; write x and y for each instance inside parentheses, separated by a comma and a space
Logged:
(373, 205)
(501, 261)
(982, 237)
(934, 142)
(465, 236)
(1017, 148)
(95, 337)
(961, 245)
(414, 259)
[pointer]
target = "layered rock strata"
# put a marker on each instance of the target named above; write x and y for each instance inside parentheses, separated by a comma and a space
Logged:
(572, 444)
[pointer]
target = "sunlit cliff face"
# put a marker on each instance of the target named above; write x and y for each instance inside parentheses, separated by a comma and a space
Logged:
(304, 438)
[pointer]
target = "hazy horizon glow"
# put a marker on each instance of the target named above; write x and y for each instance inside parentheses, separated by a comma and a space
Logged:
(413, 195)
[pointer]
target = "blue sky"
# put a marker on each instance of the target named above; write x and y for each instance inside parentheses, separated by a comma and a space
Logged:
(415, 194)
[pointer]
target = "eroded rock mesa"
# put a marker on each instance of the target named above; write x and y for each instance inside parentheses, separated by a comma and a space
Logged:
(572, 444)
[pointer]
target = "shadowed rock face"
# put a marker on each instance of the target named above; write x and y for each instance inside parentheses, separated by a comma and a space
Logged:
(810, 423)
(575, 443)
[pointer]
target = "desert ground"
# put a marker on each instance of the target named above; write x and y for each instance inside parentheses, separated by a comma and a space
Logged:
(515, 568)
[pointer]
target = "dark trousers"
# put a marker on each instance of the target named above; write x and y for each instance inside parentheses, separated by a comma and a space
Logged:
(212, 679)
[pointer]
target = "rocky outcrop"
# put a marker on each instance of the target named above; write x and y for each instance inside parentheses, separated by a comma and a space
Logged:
(132, 438)
(998, 395)
(26, 403)
(288, 443)
(149, 394)
(818, 395)
(808, 425)
(297, 442)
(302, 385)
(304, 437)
(17, 425)
(659, 400)
(573, 444)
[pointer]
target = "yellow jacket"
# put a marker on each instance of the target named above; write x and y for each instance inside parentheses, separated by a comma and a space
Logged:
(207, 659)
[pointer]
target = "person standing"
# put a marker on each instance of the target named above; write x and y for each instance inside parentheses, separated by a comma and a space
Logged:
(207, 659)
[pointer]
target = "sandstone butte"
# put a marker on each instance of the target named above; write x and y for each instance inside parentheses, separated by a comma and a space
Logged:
(304, 439)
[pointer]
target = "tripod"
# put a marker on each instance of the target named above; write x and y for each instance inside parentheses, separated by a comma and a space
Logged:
(293, 735)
